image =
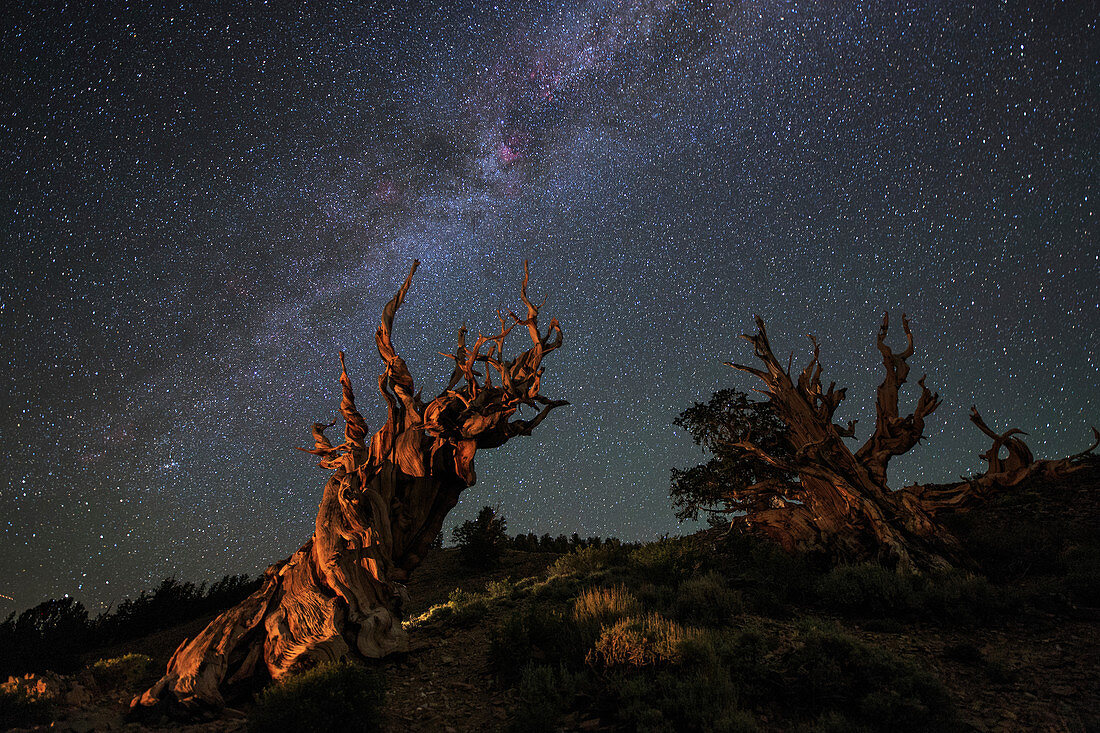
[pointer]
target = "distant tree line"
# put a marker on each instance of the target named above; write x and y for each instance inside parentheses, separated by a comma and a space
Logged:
(57, 633)
(531, 542)
(480, 541)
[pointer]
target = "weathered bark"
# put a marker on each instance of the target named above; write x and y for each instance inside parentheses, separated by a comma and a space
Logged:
(1019, 455)
(842, 506)
(1002, 473)
(341, 594)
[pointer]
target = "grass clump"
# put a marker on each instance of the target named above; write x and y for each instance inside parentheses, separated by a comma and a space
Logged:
(639, 641)
(867, 589)
(599, 606)
(335, 696)
(669, 559)
(545, 693)
(556, 588)
(500, 589)
(681, 700)
(462, 608)
(586, 561)
(961, 598)
(468, 607)
(772, 578)
(699, 691)
(122, 673)
(872, 591)
(535, 634)
(827, 671)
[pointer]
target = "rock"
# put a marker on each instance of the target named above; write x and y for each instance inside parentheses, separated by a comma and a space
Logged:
(46, 686)
(78, 696)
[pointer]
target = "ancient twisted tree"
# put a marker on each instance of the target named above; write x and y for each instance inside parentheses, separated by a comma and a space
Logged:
(841, 506)
(341, 594)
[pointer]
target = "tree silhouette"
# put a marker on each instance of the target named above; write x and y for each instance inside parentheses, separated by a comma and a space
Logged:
(481, 540)
(733, 480)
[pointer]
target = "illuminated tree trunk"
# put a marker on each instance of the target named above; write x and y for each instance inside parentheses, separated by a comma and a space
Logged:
(842, 506)
(341, 594)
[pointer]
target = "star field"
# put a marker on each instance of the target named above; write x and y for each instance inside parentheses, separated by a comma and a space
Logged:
(201, 209)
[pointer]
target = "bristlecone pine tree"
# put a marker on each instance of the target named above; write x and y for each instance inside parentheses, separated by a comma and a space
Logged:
(841, 506)
(341, 594)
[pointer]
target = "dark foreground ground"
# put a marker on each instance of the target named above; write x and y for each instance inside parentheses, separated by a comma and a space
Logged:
(714, 633)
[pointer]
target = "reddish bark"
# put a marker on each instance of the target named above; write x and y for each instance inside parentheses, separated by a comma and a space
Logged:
(341, 594)
(843, 507)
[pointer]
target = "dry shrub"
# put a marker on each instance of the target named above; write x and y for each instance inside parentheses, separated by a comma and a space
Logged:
(707, 599)
(588, 560)
(600, 606)
(124, 672)
(640, 641)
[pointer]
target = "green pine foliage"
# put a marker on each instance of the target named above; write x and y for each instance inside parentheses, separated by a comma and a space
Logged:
(480, 541)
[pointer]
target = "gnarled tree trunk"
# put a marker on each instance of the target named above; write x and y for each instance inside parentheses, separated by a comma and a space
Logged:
(842, 506)
(341, 594)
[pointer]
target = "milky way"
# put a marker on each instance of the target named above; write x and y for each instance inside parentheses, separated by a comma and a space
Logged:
(201, 210)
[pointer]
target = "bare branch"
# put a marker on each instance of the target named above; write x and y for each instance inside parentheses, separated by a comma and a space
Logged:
(893, 434)
(1019, 455)
(751, 370)
(1091, 448)
(384, 334)
(355, 427)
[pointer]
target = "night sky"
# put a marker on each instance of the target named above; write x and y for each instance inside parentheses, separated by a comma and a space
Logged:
(201, 209)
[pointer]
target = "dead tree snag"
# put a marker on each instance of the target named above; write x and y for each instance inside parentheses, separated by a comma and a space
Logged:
(1020, 463)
